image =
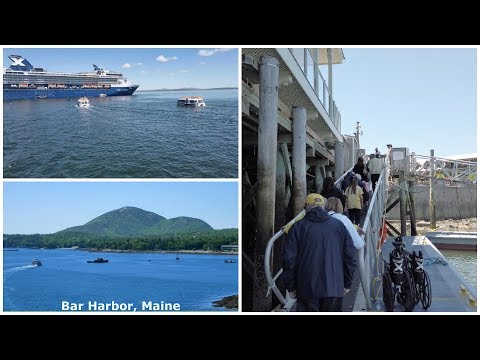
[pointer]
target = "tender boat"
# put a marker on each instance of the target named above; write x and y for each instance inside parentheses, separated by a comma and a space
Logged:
(37, 262)
(195, 101)
(103, 95)
(83, 102)
(97, 261)
(229, 261)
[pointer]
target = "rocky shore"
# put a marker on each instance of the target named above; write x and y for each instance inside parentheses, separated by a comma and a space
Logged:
(458, 225)
(228, 302)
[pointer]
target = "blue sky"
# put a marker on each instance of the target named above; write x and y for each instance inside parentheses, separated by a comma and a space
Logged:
(46, 207)
(153, 68)
(417, 98)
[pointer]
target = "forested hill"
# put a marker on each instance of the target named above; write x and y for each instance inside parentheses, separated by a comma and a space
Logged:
(129, 220)
(131, 228)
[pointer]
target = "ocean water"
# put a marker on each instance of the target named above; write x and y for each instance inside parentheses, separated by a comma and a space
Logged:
(194, 281)
(465, 262)
(145, 135)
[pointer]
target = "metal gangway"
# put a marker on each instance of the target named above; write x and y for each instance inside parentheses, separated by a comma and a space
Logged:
(369, 258)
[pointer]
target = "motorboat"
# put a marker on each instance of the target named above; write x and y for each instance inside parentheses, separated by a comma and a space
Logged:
(103, 95)
(83, 102)
(194, 101)
(97, 261)
(37, 262)
(229, 261)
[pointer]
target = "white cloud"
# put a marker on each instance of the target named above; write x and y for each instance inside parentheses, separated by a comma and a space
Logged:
(143, 72)
(126, 66)
(162, 58)
(171, 74)
(183, 71)
(139, 64)
(203, 63)
(210, 52)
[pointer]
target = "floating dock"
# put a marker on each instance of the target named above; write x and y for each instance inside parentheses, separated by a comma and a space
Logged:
(450, 240)
(450, 291)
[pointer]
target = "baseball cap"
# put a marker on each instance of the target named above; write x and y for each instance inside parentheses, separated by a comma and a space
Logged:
(316, 199)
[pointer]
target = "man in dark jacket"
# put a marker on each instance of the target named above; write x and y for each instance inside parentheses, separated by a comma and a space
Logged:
(319, 259)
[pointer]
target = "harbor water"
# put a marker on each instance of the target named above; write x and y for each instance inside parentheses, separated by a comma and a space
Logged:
(465, 262)
(145, 135)
(193, 281)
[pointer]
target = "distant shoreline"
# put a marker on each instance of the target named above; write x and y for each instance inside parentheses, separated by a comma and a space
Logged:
(198, 252)
(191, 89)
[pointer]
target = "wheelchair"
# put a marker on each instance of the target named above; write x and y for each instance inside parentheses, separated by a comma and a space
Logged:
(405, 280)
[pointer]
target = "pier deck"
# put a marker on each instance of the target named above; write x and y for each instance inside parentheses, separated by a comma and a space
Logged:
(450, 291)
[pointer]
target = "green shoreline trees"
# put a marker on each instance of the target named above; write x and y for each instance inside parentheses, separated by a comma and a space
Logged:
(201, 240)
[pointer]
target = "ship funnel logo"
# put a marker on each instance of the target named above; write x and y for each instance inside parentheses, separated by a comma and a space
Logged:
(17, 61)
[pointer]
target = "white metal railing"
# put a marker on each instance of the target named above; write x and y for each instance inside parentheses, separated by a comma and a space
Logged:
(287, 302)
(323, 92)
(369, 263)
(452, 170)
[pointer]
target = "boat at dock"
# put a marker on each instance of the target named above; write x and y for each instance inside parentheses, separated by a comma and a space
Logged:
(97, 261)
(194, 101)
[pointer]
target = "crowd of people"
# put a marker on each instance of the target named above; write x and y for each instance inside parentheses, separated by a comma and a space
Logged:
(319, 259)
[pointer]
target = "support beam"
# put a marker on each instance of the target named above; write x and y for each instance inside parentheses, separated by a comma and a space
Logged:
(319, 172)
(279, 217)
(286, 161)
(329, 171)
(339, 159)
(392, 227)
(403, 204)
(433, 220)
(299, 158)
(413, 218)
(392, 205)
(266, 174)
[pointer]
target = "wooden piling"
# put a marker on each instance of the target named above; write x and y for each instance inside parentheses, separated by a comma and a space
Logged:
(266, 176)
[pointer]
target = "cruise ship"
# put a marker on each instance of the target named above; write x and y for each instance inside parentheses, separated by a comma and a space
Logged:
(23, 81)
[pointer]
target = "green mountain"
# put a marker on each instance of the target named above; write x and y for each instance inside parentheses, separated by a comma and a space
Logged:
(130, 220)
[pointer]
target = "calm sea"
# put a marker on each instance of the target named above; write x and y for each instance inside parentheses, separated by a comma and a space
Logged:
(141, 136)
(465, 262)
(194, 281)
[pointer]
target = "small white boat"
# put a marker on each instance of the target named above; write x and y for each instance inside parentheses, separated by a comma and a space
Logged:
(103, 95)
(83, 102)
(195, 101)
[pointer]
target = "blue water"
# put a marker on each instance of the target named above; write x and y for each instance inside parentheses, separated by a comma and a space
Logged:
(145, 135)
(194, 281)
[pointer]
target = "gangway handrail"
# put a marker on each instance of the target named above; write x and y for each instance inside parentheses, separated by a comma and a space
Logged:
(365, 262)
(268, 254)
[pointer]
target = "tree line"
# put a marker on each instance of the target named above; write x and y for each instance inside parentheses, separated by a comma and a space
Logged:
(202, 240)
